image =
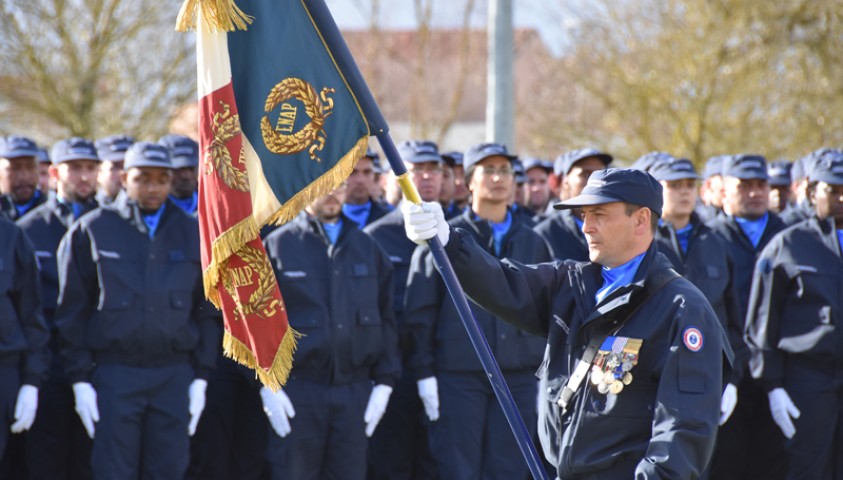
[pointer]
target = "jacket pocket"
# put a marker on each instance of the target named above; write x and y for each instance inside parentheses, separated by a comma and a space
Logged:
(367, 341)
(10, 328)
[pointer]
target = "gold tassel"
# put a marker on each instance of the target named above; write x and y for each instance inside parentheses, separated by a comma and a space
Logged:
(217, 15)
(276, 376)
(321, 186)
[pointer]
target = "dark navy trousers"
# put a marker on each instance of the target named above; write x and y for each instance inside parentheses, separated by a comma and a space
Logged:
(9, 386)
(57, 445)
(230, 440)
(472, 439)
(816, 450)
(328, 437)
(142, 432)
(398, 450)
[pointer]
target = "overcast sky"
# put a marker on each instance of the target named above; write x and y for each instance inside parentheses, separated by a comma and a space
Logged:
(547, 16)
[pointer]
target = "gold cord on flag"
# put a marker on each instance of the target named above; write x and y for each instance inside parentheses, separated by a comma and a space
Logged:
(217, 15)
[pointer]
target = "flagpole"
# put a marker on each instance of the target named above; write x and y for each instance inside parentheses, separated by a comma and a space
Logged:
(478, 339)
(344, 61)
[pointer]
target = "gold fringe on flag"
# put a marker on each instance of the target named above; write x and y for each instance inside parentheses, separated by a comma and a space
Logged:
(323, 185)
(217, 15)
(224, 246)
(276, 376)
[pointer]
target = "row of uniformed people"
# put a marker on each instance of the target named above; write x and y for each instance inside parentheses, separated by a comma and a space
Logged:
(130, 333)
(573, 163)
(26, 184)
(757, 436)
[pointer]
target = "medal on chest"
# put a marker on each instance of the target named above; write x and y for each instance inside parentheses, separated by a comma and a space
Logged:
(612, 366)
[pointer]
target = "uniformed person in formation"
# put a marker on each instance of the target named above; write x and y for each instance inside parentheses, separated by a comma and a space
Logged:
(794, 325)
(57, 445)
(337, 288)
(19, 192)
(45, 184)
(24, 358)
(711, 190)
(749, 444)
(701, 256)
(184, 155)
(469, 431)
(359, 205)
(633, 369)
(802, 209)
(537, 189)
(563, 230)
(138, 337)
(781, 196)
(112, 152)
(399, 447)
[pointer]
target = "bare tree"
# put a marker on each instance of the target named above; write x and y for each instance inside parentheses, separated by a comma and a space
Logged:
(699, 77)
(92, 67)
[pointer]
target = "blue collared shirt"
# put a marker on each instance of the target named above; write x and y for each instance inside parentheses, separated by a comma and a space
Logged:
(683, 235)
(23, 208)
(617, 277)
(153, 220)
(840, 238)
(499, 231)
(753, 229)
(74, 206)
(333, 231)
(358, 213)
(580, 223)
(188, 204)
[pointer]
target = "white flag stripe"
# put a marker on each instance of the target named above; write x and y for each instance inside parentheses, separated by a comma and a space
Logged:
(213, 67)
(262, 194)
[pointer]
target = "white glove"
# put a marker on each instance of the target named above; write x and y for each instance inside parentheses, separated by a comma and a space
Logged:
(422, 222)
(728, 402)
(196, 395)
(86, 405)
(782, 408)
(378, 400)
(429, 394)
(279, 410)
(25, 408)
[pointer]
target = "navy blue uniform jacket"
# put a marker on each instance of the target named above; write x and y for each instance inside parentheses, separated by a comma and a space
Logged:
(663, 424)
(23, 331)
(8, 210)
(708, 266)
(340, 297)
(45, 226)
(439, 340)
(128, 300)
(563, 236)
(742, 252)
(794, 319)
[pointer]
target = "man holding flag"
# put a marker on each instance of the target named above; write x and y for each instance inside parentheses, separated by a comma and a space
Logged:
(284, 116)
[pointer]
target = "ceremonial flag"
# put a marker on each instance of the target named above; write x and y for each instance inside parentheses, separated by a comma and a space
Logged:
(279, 127)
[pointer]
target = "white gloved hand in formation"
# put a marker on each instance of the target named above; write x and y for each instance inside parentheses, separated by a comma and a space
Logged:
(422, 222)
(196, 395)
(279, 410)
(728, 402)
(429, 394)
(378, 400)
(783, 410)
(86, 405)
(25, 408)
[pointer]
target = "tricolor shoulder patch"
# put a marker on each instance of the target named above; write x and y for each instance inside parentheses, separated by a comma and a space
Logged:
(692, 337)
